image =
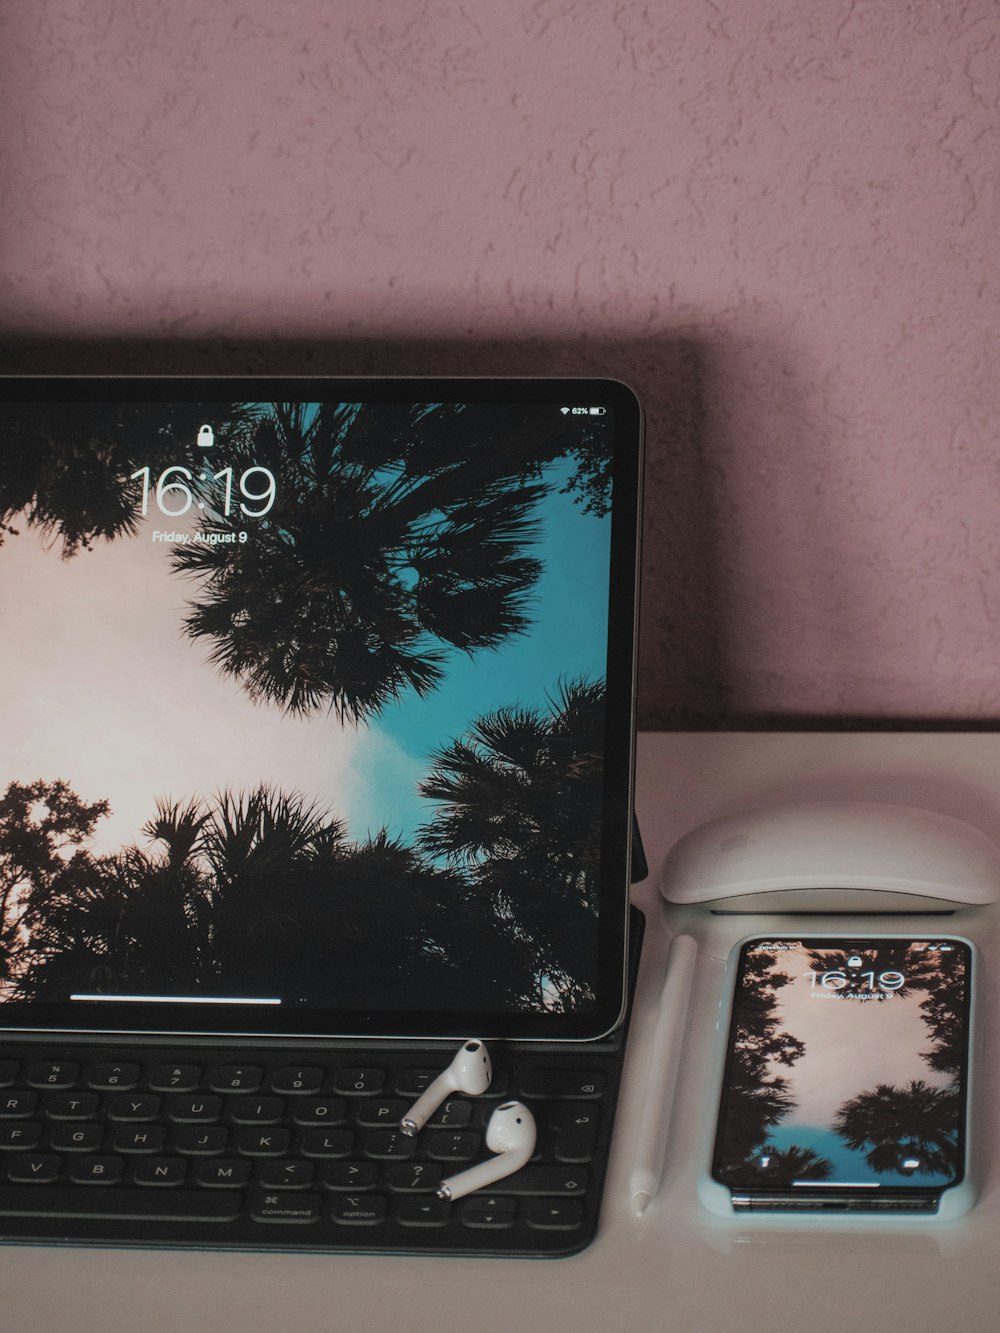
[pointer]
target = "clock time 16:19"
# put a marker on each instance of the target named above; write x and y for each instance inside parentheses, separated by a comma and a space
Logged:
(174, 496)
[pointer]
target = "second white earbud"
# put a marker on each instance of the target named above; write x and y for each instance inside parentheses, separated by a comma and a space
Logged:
(511, 1134)
(470, 1072)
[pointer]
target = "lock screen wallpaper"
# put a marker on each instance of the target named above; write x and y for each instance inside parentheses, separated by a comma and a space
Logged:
(303, 704)
(846, 1065)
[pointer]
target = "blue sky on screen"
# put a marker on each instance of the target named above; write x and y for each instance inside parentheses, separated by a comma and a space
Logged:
(567, 639)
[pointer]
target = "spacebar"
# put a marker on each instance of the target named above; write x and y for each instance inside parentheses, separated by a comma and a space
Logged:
(127, 1205)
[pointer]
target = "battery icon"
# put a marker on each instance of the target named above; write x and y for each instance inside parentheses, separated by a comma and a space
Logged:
(598, 411)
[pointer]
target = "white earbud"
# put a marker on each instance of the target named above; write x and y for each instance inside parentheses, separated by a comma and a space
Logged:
(469, 1072)
(511, 1134)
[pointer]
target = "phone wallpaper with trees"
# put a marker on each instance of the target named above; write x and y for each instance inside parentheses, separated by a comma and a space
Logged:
(309, 712)
(846, 1066)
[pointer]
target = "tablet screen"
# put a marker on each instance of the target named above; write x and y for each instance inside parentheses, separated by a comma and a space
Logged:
(317, 705)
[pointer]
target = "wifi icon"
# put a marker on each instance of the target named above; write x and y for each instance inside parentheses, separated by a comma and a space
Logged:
(564, 410)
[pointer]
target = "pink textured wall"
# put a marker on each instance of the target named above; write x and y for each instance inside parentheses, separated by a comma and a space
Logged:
(778, 219)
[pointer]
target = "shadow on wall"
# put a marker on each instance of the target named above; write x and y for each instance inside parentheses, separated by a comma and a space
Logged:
(682, 675)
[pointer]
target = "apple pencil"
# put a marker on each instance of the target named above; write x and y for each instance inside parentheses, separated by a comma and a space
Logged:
(661, 1081)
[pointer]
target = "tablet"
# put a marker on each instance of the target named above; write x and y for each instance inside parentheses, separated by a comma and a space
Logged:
(317, 705)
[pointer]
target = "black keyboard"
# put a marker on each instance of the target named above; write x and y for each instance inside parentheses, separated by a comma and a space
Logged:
(278, 1148)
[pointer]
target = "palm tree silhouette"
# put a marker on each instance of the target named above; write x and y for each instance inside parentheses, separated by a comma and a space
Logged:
(390, 542)
(520, 800)
(260, 893)
(43, 829)
(757, 1097)
(786, 1165)
(895, 1125)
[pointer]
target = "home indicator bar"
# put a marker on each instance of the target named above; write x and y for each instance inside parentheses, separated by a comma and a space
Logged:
(176, 999)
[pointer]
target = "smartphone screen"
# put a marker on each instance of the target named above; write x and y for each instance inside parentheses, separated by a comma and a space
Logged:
(846, 1073)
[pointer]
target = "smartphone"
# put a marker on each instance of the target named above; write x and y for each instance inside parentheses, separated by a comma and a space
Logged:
(846, 1080)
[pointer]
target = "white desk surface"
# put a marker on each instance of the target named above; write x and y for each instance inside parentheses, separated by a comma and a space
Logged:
(675, 1269)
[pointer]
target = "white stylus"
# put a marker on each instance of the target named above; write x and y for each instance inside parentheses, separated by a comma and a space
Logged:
(661, 1081)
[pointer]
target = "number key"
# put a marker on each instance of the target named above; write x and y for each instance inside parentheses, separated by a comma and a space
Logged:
(359, 1082)
(174, 1078)
(109, 1077)
(236, 1078)
(53, 1074)
(291, 1081)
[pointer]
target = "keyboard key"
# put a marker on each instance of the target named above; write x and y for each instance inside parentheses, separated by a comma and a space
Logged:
(201, 1140)
(455, 1113)
(42, 1169)
(350, 1176)
(320, 1111)
(549, 1082)
(460, 1146)
(488, 1214)
(573, 1129)
(359, 1082)
(134, 1106)
(420, 1212)
(127, 1205)
(388, 1145)
(412, 1082)
(286, 1208)
(17, 1105)
(263, 1142)
(297, 1081)
(96, 1170)
(14, 1137)
(388, 1111)
(224, 1173)
(194, 1110)
(414, 1177)
(286, 1175)
(358, 1210)
(53, 1074)
(9, 1070)
(168, 1171)
(107, 1077)
(543, 1179)
(327, 1143)
(75, 1138)
(235, 1078)
(175, 1078)
(69, 1105)
(258, 1110)
(554, 1214)
(139, 1138)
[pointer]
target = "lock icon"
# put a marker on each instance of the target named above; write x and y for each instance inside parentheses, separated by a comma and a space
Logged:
(206, 437)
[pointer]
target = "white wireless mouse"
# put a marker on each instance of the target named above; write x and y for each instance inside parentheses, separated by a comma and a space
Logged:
(847, 856)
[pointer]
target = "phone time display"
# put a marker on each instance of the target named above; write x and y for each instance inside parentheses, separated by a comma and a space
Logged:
(870, 981)
(253, 492)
